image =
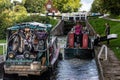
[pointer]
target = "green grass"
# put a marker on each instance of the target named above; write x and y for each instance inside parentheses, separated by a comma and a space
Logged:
(2, 41)
(53, 22)
(1, 48)
(115, 16)
(98, 25)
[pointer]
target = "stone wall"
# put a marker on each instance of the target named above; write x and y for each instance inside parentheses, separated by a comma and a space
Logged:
(58, 29)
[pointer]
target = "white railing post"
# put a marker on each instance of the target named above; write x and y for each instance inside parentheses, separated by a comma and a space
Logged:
(4, 48)
(101, 50)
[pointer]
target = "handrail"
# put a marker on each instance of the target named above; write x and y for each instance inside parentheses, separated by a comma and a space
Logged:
(101, 50)
(98, 58)
(4, 48)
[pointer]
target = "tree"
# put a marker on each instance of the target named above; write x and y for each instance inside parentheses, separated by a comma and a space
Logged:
(106, 6)
(19, 13)
(4, 4)
(36, 6)
(9, 16)
(112, 6)
(67, 5)
(95, 6)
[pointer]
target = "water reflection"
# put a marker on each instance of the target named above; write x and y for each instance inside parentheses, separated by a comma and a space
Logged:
(76, 69)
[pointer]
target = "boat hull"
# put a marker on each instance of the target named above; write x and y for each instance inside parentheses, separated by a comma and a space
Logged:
(78, 53)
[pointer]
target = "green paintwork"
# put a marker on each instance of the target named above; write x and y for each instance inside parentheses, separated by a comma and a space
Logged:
(31, 25)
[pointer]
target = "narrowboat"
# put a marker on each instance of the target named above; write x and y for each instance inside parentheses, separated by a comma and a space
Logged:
(86, 50)
(31, 50)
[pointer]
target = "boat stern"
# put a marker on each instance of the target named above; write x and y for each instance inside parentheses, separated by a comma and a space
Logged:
(79, 53)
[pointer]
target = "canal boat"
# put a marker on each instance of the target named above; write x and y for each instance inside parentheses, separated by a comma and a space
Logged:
(31, 50)
(86, 50)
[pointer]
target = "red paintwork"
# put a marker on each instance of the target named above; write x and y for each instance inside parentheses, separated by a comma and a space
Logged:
(85, 41)
(71, 40)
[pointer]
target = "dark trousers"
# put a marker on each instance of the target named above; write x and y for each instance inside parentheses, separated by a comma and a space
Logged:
(108, 42)
(78, 39)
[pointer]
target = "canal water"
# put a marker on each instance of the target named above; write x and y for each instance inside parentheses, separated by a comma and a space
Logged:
(75, 69)
(71, 69)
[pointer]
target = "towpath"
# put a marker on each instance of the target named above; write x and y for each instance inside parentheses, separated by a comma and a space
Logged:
(111, 67)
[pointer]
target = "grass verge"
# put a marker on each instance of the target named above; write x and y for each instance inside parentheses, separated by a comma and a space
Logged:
(1, 48)
(99, 26)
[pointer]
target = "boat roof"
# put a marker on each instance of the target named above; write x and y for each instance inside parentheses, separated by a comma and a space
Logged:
(31, 25)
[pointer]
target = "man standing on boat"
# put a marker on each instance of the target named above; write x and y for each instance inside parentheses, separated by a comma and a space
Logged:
(78, 34)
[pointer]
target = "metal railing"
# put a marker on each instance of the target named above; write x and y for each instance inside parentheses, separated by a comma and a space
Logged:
(3, 50)
(101, 50)
(104, 47)
(80, 16)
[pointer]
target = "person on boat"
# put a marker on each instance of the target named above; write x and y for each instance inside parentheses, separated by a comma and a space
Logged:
(78, 34)
(107, 31)
(27, 40)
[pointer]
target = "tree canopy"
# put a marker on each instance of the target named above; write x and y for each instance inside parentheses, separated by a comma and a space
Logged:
(67, 5)
(106, 6)
(4, 4)
(9, 15)
(37, 6)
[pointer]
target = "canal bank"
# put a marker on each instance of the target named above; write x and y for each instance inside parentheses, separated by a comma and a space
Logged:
(110, 68)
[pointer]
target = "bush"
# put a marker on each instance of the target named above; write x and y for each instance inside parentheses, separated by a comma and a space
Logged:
(8, 22)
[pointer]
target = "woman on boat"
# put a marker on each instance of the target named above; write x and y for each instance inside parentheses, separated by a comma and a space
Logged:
(78, 34)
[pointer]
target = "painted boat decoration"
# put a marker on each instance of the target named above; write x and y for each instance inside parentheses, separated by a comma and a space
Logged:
(30, 49)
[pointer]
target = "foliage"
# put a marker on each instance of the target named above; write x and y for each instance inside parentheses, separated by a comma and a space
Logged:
(96, 6)
(9, 17)
(19, 19)
(4, 4)
(36, 6)
(67, 5)
(41, 19)
(98, 25)
(106, 6)
(20, 13)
